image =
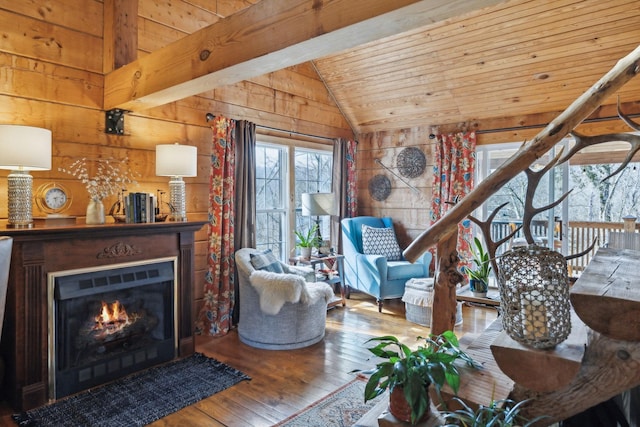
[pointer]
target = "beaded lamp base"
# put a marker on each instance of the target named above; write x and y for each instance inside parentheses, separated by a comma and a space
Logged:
(19, 189)
(177, 199)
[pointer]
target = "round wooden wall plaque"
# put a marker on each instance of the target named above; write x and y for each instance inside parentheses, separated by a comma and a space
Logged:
(411, 162)
(379, 187)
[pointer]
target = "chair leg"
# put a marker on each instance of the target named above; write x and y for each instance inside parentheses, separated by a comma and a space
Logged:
(379, 306)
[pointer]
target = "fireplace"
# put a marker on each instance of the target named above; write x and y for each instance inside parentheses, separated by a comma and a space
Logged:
(110, 322)
(43, 258)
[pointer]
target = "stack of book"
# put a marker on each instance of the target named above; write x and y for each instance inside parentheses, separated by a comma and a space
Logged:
(140, 207)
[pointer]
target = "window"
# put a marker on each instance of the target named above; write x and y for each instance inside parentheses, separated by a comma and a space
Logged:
(271, 200)
(312, 175)
(588, 215)
(278, 192)
(546, 226)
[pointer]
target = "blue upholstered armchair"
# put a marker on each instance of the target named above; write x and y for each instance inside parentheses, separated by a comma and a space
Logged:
(366, 270)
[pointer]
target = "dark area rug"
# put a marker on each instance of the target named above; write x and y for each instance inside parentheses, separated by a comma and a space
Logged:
(139, 399)
(340, 408)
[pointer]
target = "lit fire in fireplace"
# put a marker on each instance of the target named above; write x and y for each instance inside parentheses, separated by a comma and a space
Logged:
(113, 318)
(113, 327)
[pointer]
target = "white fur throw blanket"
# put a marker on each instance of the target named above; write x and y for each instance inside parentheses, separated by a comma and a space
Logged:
(275, 289)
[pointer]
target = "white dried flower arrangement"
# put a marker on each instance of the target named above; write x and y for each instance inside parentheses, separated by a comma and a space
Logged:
(110, 177)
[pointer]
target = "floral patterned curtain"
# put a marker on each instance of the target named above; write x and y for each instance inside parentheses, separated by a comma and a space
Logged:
(215, 316)
(455, 161)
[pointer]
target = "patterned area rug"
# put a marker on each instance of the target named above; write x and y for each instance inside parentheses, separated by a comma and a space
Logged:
(341, 408)
(139, 399)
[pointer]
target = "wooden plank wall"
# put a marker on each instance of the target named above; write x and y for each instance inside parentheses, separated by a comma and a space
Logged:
(51, 76)
(409, 208)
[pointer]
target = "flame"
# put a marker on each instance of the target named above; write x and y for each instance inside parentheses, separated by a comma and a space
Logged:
(112, 318)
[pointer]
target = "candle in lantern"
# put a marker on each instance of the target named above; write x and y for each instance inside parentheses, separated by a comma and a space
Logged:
(534, 317)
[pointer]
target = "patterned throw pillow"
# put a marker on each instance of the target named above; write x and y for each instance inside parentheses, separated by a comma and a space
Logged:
(266, 261)
(380, 241)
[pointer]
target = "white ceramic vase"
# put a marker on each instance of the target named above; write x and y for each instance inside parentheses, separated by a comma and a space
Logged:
(95, 212)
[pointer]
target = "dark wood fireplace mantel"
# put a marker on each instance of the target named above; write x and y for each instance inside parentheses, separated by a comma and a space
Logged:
(39, 251)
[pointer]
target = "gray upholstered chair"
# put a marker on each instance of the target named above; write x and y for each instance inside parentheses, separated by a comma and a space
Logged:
(280, 311)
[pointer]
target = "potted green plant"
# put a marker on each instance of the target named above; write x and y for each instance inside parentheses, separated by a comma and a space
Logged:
(499, 413)
(408, 373)
(479, 277)
(307, 241)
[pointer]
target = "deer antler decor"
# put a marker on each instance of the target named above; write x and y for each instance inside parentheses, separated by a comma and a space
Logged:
(533, 179)
(485, 227)
(583, 141)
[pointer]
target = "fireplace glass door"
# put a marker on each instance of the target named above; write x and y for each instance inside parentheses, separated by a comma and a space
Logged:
(110, 323)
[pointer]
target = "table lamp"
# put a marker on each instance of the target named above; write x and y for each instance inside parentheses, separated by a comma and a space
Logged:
(318, 204)
(177, 161)
(23, 149)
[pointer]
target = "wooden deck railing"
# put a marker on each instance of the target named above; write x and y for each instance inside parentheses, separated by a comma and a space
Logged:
(581, 235)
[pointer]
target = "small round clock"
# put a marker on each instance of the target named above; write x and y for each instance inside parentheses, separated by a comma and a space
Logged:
(53, 198)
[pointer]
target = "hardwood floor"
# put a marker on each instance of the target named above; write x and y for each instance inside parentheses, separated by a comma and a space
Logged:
(284, 382)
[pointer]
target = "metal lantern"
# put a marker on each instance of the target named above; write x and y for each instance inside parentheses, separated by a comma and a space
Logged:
(534, 293)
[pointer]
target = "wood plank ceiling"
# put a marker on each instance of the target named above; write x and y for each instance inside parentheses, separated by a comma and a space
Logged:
(519, 58)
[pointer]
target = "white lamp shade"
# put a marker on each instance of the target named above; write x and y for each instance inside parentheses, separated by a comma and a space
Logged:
(318, 204)
(176, 160)
(25, 148)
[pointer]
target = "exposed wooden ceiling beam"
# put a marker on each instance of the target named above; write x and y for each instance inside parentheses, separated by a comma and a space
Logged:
(120, 33)
(269, 36)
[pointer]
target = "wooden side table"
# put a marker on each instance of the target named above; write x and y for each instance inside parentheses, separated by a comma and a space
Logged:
(331, 261)
(492, 299)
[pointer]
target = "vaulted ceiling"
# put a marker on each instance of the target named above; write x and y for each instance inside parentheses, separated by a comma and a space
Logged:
(508, 63)
(518, 58)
